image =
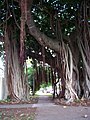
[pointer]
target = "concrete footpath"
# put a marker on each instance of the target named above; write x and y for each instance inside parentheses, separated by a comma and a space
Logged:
(47, 110)
(16, 105)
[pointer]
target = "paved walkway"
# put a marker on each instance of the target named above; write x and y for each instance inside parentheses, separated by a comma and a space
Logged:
(16, 106)
(46, 110)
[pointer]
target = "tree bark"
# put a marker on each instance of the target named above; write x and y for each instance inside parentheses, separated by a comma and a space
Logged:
(15, 73)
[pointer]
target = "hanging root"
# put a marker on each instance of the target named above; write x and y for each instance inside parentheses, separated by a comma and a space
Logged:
(69, 74)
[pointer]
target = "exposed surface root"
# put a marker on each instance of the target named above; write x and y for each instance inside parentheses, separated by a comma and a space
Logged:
(74, 103)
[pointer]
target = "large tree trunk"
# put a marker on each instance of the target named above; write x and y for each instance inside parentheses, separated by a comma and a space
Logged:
(14, 71)
(83, 39)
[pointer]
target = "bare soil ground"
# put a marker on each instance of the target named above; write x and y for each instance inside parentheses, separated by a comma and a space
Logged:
(24, 113)
(17, 114)
(75, 103)
(32, 100)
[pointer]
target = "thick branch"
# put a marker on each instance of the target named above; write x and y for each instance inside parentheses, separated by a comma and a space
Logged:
(39, 36)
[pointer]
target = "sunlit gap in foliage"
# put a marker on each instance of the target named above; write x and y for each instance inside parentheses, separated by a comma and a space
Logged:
(39, 85)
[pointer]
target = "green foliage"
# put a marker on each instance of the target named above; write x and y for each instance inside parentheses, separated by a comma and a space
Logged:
(30, 70)
(77, 100)
(44, 85)
(30, 73)
(6, 100)
(63, 10)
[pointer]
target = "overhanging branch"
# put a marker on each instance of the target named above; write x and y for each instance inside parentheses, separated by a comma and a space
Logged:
(39, 36)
